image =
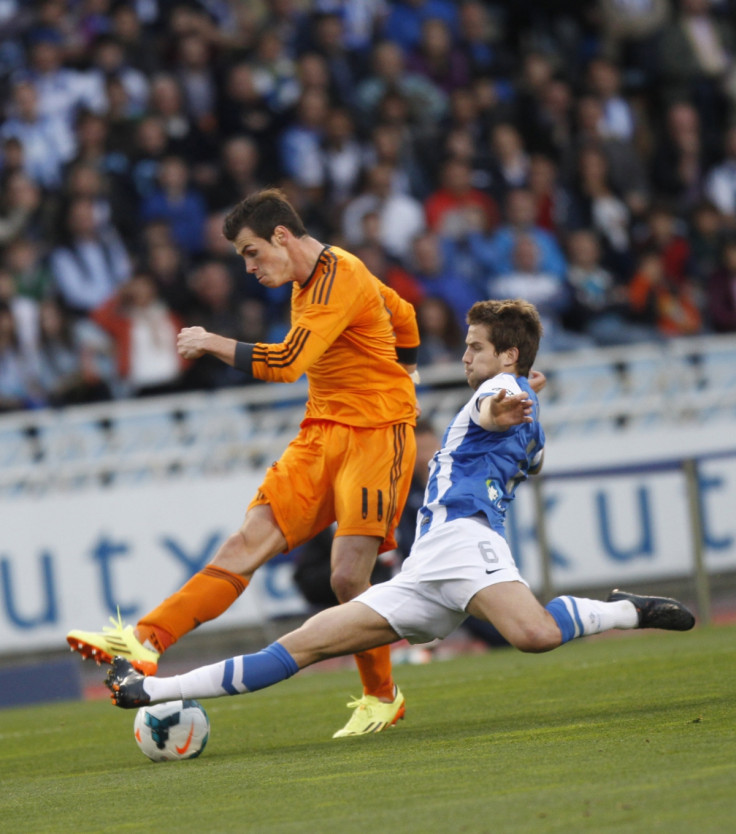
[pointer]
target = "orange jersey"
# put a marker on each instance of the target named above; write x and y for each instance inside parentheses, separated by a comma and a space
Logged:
(345, 328)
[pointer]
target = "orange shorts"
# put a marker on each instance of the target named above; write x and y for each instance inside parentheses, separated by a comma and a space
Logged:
(359, 477)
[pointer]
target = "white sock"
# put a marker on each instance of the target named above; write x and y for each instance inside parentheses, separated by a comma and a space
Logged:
(594, 616)
(204, 682)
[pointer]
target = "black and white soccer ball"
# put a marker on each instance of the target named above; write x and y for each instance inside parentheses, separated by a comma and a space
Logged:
(171, 731)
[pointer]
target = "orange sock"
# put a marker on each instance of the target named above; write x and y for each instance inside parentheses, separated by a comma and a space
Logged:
(204, 597)
(375, 672)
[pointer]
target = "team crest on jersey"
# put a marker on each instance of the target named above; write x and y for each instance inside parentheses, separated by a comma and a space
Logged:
(493, 493)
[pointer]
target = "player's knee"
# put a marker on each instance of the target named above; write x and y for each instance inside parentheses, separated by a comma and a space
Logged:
(535, 638)
(346, 584)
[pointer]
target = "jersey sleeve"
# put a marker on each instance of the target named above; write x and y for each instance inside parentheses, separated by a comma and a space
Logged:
(403, 317)
(490, 388)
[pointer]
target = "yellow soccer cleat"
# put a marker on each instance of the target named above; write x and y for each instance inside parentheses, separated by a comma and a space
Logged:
(116, 641)
(371, 715)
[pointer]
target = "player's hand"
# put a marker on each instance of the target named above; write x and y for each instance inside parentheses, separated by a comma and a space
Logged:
(537, 380)
(190, 342)
(507, 410)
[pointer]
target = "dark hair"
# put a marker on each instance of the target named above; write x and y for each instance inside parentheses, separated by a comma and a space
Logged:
(511, 323)
(262, 212)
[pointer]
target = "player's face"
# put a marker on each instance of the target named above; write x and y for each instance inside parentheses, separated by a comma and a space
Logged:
(267, 260)
(480, 358)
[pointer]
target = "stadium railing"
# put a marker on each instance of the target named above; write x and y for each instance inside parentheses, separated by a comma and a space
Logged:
(590, 393)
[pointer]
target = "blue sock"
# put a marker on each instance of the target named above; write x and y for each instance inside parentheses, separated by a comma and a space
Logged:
(256, 671)
(565, 613)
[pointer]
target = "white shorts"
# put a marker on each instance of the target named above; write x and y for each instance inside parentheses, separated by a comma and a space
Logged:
(446, 569)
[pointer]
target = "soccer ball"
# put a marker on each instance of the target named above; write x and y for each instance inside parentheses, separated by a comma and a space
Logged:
(172, 730)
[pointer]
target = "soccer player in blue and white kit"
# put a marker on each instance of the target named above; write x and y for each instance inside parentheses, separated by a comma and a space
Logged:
(460, 563)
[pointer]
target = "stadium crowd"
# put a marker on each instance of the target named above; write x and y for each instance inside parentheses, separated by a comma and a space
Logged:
(579, 155)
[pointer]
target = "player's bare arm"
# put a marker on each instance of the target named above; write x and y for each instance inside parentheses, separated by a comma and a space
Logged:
(503, 410)
(193, 342)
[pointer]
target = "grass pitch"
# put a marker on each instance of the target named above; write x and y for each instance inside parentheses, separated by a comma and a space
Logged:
(628, 733)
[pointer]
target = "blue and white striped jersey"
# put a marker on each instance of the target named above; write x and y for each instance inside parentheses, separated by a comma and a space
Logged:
(477, 471)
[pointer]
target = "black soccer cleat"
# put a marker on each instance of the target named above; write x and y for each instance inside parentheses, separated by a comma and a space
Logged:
(657, 612)
(126, 685)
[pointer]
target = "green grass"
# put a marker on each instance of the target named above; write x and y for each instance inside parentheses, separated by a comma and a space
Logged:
(635, 733)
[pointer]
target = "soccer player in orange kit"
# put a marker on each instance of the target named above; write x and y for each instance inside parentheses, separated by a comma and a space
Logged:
(351, 461)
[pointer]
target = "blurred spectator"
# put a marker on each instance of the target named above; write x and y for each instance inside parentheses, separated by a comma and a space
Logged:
(599, 301)
(183, 135)
(26, 262)
(392, 144)
(109, 60)
(629, 29)
(214, 307)
(342, 156)
(427, 103)
(481, 39)
(656, 300)
(439, 329)
(343, 65)
(195, 62)
(404, 22)
(19, 383)
(144, 333)
(495, 252)
(594, 203)
(243, 111)
(679, 165)
(446, 207)
(70, 370)
(301, 141)
(510, 159)
(401, 217)
(89, 263)
(721, 298)
(24, 311)
(720, 182)
(167, 265)
(237, 173)
(706, 237)
(551, 200)
(696, 61)
(62, 91)
(664, 233)
(150, 147)
(128, 27)
(438, 276)
(20, 209)
(274, 70)
(548, 291)
(618, 119)
(47, 140)
(179, 203)
(627, 172)
(547, 120)
(437, 58)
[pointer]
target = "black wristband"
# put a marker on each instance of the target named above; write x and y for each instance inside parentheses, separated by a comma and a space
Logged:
(407, 355)
(243, 360)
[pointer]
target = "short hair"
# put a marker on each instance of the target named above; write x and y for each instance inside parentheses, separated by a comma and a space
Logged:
(510, 323)
(262, 212)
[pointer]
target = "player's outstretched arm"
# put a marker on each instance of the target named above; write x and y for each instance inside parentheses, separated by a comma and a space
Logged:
(193, 342)
(503, 410)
